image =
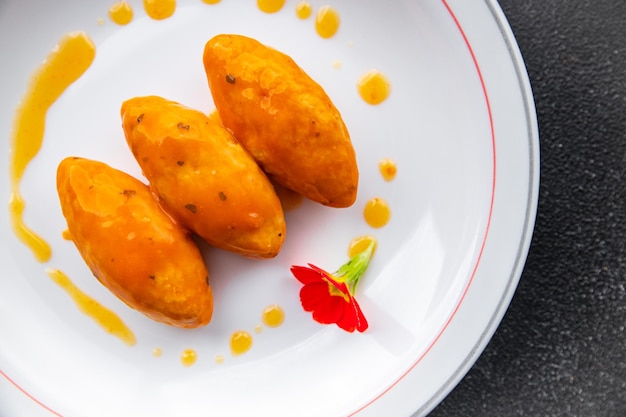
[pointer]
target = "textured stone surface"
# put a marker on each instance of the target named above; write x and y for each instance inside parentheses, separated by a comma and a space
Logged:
(561, 348)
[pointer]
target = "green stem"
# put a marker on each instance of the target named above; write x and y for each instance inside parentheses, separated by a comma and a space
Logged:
(352, 271)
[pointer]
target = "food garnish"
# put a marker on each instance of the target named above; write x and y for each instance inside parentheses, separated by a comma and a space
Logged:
(330, 297)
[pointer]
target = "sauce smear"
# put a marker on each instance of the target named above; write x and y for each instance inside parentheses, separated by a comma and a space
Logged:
(374, 87)
(107, 319)
(64, 65)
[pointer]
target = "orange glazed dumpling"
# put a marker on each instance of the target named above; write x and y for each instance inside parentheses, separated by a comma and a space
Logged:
(204, 178)
(132, 246)
(283, 118)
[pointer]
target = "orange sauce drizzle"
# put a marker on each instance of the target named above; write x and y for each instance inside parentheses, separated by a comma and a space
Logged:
(64, 65)
(106, 318)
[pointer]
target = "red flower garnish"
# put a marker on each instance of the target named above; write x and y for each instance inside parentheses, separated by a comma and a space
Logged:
(330, 297)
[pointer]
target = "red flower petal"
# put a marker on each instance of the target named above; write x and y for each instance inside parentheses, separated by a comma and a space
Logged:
(306, 275)
(326, 308)
(360, 320)
(328, 299)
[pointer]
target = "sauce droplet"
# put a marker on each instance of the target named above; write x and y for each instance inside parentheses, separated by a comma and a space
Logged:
(374, 87)
(66, 235)
(64, 65)
(121, 13)
(270, 6)
(303, 10)
(359, 244)
(327, 22)
(388, 169)
(219, 359)
(273, 315)
(188, 357)
(159, 9)
(211, 1)
(336, 64)
(258, 328)
(240, 342)
(157, 352)
(377, 212)
(106, 318)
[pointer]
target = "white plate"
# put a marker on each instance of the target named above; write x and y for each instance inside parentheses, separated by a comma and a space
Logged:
(460, 125)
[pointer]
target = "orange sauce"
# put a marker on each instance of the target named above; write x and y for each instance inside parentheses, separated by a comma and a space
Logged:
(270, 6)
(211, 1)
(374, 87)
(273, 315)
(106, 318)
(159, 9)
(64, 65)
(66, 235)
(121, 13)
(359, 244)
(157, 352)
(388, 169)
(240, 342)
(303, 10)
(327, 21)
(289, 199)
(377, 212)
(188, 357)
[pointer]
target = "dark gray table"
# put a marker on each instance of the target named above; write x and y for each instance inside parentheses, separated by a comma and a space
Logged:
(561, 348)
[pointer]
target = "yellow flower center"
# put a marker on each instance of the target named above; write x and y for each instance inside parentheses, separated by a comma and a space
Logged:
(334, 291)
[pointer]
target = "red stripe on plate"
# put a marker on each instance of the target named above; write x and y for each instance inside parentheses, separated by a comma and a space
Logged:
(484, 241)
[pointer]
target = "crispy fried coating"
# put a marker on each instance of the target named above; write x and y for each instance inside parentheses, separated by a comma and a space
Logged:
(132, 246)
(204, 178)
(283, 118)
